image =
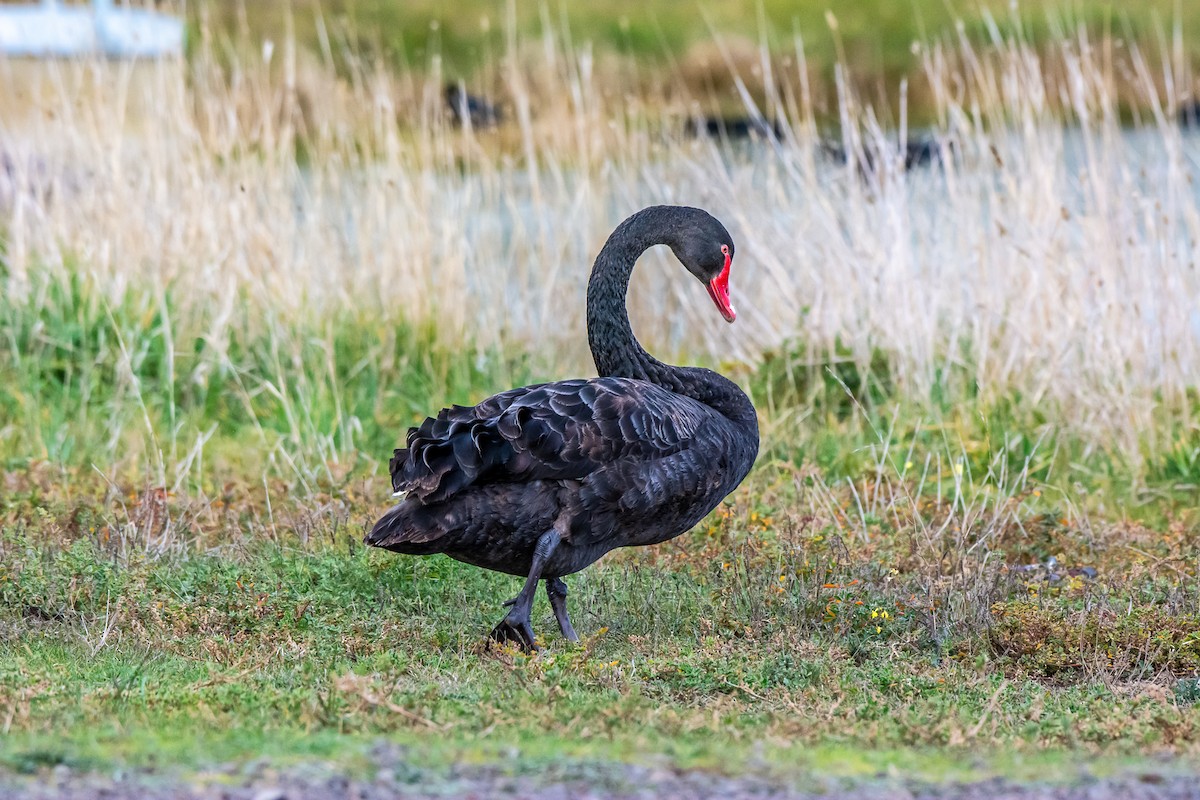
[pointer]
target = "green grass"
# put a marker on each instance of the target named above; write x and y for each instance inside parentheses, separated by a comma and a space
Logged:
(877, 35)
(116, 377)
(695, 653)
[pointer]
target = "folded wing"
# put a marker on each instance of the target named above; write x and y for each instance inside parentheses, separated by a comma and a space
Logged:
(562, 430)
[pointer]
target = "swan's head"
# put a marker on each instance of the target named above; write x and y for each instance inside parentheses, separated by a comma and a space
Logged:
(704, 246)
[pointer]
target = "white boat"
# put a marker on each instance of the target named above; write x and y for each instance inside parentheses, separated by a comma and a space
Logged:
(51, 29)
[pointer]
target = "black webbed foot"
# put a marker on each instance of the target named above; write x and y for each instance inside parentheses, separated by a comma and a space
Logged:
(515, 629)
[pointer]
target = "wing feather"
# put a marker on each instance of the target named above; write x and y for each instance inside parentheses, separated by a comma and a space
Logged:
(552, 431)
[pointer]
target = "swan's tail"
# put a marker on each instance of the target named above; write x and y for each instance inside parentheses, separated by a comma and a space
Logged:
(396, 531)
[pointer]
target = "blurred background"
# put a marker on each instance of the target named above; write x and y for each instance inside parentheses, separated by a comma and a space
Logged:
(875, 41)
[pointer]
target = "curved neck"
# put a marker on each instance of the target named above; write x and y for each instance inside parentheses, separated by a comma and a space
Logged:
(616, 350)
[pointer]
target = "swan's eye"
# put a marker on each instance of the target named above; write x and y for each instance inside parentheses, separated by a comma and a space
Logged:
(724, 249)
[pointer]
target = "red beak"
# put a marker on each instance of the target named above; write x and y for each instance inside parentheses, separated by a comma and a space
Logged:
(718, 290)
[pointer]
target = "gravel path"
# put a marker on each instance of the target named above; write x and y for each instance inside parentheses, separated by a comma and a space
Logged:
(394, 777)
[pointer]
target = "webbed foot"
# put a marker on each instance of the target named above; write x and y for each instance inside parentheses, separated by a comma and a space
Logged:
(515, 629)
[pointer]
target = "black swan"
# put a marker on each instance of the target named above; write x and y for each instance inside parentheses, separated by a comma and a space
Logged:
(733, 128)
(1189, 115)
(543, 480)
(918, 151)
(465, 107)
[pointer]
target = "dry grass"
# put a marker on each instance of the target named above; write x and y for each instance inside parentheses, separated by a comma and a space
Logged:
(1053, 258)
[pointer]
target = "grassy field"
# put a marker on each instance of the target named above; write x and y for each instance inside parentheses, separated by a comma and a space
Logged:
(229, 285)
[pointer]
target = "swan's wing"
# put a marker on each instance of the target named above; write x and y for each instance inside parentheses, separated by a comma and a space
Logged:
(552, 431)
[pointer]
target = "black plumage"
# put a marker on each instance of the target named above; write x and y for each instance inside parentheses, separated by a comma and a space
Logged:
(543, 480)
(466, 108)
(734, 128)
(918, 151)
(1189, 115)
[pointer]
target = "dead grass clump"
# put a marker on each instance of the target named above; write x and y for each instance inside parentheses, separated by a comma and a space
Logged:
(1069, 644)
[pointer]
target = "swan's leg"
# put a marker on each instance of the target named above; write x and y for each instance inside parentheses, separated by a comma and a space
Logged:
(515, 627)
(556, 590)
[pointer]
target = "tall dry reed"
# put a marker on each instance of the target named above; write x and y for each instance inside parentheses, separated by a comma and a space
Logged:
(1053, 254)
